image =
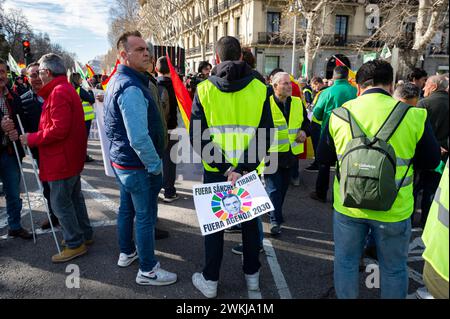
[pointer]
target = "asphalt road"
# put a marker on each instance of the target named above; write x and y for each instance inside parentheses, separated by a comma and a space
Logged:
(298, 264)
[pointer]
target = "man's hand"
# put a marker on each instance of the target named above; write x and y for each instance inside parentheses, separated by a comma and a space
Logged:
(24, 139)
(301, 137)
(443, 151)
(100, 97)
(233, 177)
(7, 124)
(13, 135)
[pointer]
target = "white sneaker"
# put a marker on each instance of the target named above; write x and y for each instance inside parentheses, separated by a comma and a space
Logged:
(207, 287)
(126, 260)
(423, 293)
(252, 281)
(156, 277)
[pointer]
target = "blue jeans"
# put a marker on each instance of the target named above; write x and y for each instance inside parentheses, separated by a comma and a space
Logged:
(69, 206)
(10, 175)
(277, 185)
(138, 198)
(392, 243)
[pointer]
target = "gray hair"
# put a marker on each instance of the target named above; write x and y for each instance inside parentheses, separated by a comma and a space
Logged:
(277, 77)
(407, 91)
(440, 81)
(54, 63)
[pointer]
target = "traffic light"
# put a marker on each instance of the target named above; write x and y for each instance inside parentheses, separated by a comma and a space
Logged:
(27, 52)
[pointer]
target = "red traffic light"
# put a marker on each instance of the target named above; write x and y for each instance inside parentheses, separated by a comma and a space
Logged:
(26, 43)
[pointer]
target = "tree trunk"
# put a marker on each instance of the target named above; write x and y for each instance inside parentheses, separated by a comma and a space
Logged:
(309, 48)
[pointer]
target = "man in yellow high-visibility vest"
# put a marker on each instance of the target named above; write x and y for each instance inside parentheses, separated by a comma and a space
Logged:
(230, 113)
(415, 147)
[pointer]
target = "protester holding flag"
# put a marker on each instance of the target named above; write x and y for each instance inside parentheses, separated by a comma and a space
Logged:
(169, 101)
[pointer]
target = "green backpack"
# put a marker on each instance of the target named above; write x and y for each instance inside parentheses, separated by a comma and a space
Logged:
(368, 165)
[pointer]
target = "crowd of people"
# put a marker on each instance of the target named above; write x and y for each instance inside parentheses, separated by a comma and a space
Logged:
(387, 143)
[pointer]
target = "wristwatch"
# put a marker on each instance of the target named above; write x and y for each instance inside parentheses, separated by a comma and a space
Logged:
(229, 170)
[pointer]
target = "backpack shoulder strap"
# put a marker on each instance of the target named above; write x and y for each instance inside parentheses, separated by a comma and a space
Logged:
(393, 121)
(344, 114)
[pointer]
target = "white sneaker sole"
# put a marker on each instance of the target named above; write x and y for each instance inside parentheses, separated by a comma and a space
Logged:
(128, 262)
(147, 282)
(207, 295)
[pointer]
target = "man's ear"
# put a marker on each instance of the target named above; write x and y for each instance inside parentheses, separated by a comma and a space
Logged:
(123, 55)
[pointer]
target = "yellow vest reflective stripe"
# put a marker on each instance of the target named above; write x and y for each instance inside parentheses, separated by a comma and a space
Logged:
(307, 90)
(370, 111)
(89, 113)
(232, 117)
(436, 235)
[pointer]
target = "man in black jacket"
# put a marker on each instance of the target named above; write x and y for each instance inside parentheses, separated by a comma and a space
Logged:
(170, 106)
(233, 95)
(32, 109)
(10, 105)
(436, 103)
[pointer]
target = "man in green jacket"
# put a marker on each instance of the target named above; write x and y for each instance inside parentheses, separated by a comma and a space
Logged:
(341, 92)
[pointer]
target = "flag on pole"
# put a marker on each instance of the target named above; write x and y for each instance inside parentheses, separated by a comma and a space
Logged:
(105, 82)
(13, 65)
(183, 98)
(90, 71)
(351, 73)
(79, 69)
(386, 52)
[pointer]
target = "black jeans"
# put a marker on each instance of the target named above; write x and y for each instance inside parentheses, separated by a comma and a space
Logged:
(323, 180)
(428, 182)
(315, 137)
(169, 169)
(214, 242)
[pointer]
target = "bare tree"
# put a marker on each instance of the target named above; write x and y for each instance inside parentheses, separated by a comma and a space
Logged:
(410, 25)
(124, 17)
(16, 28)
(168, 20)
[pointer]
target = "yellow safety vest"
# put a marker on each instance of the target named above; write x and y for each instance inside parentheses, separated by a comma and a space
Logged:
(286, 133)
(89, 113)
(232, 118)
(370, 111)
(435, 234)
(316, 97)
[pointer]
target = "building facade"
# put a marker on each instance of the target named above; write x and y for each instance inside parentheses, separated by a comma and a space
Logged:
(266, 28)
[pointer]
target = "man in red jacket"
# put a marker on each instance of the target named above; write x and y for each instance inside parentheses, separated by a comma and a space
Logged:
(61, 140)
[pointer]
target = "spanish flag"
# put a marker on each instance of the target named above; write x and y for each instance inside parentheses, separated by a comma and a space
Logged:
(351, 74)
(183, 98)
(90, 71)
(105, 83)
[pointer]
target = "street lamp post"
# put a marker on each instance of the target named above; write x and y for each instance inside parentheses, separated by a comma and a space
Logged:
(294, 8)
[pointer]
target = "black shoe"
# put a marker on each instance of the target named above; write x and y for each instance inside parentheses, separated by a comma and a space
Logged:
(161, 234)
(312, 168)
(22, 233)
(315, 196)
(89, 159)
(46, 224)
(275, 230)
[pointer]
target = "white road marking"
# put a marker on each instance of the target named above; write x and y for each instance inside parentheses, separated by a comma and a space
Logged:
(280, 281)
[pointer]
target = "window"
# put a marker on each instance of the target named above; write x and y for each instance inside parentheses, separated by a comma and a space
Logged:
(273, 22)
(225, 29)
(237, 26)
(271, 63)
(341, 30)
(216, 32)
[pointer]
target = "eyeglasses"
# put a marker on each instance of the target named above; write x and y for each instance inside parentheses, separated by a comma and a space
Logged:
(40, 70)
